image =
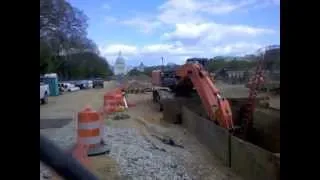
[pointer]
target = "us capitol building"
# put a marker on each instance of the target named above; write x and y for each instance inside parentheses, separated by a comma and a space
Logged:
(119, 65)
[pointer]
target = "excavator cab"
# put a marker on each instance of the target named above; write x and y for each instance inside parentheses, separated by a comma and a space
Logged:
(203, 62)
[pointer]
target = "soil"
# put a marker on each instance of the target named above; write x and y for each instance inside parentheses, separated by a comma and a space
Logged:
(68, 104)
(145, 118)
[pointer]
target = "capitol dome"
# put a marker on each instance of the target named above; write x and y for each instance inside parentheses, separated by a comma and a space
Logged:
(120, 60)
(120, 65)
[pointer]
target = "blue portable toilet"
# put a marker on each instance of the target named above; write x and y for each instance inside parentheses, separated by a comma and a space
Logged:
(52, 81)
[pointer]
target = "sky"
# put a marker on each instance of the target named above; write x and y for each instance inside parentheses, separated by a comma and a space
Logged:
(146, 30)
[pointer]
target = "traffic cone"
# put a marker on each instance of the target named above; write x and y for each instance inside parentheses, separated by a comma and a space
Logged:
(90, 132)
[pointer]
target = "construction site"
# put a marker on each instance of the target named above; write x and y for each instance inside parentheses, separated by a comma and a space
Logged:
(182, 124)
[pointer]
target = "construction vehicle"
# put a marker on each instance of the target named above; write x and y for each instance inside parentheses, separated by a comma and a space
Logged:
(193, 77)
(98, 82)
(189, 78)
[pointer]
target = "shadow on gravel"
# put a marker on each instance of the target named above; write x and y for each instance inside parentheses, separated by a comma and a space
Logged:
(54, 123)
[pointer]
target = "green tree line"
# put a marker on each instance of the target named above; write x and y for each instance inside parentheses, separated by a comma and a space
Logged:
(65, 48)
(271, 62)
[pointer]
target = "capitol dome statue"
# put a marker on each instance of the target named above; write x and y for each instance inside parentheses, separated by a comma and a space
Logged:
(120, 66)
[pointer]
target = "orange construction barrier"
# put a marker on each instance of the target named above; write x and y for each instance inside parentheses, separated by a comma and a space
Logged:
(119, 98)
(113, 101)
(90, 131)
(114, 95)
(109, 109)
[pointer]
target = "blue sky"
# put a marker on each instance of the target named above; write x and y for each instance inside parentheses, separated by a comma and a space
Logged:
(178, 29)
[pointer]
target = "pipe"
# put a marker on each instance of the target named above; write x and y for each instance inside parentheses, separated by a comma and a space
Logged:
(65, 165)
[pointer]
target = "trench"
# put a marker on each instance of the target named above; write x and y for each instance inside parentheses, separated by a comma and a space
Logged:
(255, 158)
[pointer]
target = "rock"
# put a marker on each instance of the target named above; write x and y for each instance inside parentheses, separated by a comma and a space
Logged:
(121, 116)
(173, 166)
(139, 158)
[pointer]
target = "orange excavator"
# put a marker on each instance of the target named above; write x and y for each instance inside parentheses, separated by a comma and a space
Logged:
(216, 106)
(182, 80)
(193, 76)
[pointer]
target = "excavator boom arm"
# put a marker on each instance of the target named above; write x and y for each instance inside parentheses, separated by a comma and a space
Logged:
(216, 106)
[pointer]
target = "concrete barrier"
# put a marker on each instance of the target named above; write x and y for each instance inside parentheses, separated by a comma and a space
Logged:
(172, 108)
(267, 129)
(171, 111)
(214, 137)
(248, 160)
(252, 162)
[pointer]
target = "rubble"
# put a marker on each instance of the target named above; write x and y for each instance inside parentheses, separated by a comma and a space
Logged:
(168, 140)
(120, 116)
(140, 158)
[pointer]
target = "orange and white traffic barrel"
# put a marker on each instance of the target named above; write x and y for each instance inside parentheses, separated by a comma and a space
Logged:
(110, 107)
(119, 98)
(90, 129)
(107, 97)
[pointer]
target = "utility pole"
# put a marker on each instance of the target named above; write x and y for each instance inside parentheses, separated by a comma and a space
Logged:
(162, 68)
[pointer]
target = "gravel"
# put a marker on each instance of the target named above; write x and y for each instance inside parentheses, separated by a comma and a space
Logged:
(141, 157)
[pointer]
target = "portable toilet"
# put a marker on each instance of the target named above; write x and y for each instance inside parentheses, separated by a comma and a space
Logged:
(52, 81)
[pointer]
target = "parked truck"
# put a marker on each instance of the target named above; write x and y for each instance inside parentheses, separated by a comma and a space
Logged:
(44, 93)
(98, 82)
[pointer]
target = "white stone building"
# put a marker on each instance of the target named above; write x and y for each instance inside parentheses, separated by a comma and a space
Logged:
(120, 65)
(141, 67)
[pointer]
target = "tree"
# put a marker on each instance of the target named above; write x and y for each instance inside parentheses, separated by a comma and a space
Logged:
(134, 72)
(216, 64)
(84, 65)
(64, 46)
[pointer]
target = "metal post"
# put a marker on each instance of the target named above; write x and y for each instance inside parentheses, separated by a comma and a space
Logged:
(162, 64)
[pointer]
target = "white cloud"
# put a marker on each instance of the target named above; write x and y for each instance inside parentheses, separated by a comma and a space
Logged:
(239, 48)
(175, 12)
(114, 49)
(187, 31)
(193, 11)
(152, 49)
(178, 11)
(212, 32)
(191, 31)
(176, 53)
(156, 48)
(144, 25)
(169, 49)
